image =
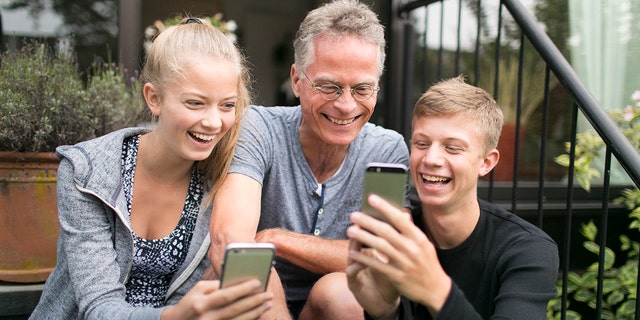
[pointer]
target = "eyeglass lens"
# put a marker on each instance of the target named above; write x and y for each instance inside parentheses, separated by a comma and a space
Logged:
(332, 92)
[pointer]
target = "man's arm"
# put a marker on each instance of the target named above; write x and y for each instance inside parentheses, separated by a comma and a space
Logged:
(235, 217)
(310, 252)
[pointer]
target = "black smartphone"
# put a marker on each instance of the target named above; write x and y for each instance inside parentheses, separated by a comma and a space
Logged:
(387, 180)
(245, 261)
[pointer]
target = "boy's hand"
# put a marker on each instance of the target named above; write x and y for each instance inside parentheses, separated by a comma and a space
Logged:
(411, 267)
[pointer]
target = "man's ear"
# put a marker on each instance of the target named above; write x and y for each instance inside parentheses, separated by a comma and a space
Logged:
(489, 161)
(152, 98)
(294, 81)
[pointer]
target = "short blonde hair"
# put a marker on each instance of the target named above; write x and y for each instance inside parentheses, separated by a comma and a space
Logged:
(453, 96)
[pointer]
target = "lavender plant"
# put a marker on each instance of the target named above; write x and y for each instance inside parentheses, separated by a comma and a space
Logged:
(45, 102)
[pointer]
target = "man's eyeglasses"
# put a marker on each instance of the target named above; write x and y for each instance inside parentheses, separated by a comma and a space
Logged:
(332, 92)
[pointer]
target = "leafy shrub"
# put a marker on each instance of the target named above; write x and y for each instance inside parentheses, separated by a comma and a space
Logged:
(619, 283)
(46, 104)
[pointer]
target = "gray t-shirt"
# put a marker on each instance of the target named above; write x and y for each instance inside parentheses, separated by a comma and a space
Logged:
(269, 151)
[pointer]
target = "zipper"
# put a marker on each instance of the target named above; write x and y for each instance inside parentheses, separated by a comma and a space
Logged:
(124, 222)
(202, 251)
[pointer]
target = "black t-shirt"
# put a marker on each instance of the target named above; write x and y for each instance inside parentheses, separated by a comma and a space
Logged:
(506, 269)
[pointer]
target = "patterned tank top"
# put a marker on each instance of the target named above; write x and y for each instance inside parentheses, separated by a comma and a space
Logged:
(156, 261)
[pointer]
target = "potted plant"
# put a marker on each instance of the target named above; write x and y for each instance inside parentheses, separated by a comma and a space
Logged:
(533, 78)
(47, 103)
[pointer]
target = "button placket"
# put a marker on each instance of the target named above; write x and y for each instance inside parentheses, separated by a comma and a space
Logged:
(314, 229)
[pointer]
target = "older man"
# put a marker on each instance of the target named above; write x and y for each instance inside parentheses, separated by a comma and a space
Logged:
(298, 171)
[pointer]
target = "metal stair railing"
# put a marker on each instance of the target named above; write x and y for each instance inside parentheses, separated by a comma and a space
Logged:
(413, 66)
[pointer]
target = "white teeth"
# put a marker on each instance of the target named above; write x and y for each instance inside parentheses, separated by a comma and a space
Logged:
(433, 178)
(341, 122)
(202, 136)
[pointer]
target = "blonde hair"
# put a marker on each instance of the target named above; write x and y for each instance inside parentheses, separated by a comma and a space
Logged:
(454, 96)
(170, 52)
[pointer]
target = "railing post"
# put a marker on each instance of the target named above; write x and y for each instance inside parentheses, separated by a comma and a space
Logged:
(128, 42)
(396, 79)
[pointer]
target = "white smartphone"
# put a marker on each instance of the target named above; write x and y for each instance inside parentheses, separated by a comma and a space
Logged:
(245, 261)
(387, 180)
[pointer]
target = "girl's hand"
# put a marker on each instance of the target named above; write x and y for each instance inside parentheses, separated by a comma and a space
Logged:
(206, 301)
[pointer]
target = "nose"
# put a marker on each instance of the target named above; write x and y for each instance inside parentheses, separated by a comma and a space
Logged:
(212, 119)
(433, 156)
(346, 103)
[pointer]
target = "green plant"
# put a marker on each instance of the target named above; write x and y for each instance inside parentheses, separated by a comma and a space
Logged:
(619, 282)
(46, 104)
(589, 145)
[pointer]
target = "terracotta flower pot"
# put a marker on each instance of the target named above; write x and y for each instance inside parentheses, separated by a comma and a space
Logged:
(28, 216)
(507, 144)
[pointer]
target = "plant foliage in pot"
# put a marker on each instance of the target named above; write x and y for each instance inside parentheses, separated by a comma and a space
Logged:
(508, 77)
(47, 103)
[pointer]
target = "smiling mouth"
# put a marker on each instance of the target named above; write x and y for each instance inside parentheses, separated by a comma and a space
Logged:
(434, 180)
(201, 137)
(341, 122)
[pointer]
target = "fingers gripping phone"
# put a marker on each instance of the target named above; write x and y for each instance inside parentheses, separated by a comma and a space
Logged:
(245, 261)
(387, 180)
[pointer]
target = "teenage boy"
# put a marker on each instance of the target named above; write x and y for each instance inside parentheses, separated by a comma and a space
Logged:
(456, 257)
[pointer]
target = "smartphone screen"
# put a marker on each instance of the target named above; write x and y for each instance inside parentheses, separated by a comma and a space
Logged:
(245, 261)
(387, 180)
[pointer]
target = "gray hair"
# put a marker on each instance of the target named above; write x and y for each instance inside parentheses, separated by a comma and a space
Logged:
(338, 18)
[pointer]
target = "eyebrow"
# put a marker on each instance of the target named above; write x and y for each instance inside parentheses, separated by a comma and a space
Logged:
(192, 94)
(323, 80)
(446, 139)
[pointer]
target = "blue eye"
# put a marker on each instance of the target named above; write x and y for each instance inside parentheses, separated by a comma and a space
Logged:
(229, 105)
(454, 148)
(328, 88)
(194, 103)
(364, 90)
(421, 145)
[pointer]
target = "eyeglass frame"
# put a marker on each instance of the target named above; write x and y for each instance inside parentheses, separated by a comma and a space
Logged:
(340, 90)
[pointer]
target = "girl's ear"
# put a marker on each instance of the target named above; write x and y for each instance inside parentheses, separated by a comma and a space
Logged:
(489, 162)
(152, 97)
